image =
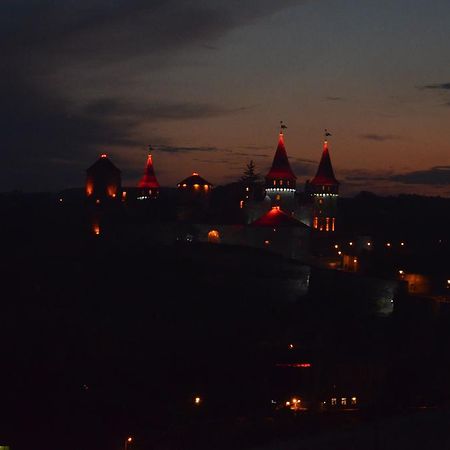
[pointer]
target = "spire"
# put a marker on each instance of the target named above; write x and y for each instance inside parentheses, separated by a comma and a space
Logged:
(281, 169)
(149, 179)
(325, 174)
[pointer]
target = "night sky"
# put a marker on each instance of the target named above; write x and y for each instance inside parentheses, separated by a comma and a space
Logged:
(206, 82)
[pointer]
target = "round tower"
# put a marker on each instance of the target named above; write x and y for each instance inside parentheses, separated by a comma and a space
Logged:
(323, 190)
(281, 180)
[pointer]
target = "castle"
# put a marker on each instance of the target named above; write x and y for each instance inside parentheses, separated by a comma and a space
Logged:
(273, 215)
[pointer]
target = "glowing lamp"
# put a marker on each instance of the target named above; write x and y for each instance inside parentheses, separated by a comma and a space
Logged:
(401, 272)
(103, 155)
(197, 400)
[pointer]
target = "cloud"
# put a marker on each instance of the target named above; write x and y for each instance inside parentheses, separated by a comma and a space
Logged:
(115, 107)
(439, 175)
(101, 30)
(334, 99)
(175, 149)
(251, 155)
(436, 176)
(51, 52)
(303, 167)
(379, 137)
(438, 86)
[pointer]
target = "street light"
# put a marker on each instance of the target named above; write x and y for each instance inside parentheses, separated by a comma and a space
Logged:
(128, 440)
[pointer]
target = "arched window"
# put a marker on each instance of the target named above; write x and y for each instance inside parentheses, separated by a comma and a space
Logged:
(214, 237)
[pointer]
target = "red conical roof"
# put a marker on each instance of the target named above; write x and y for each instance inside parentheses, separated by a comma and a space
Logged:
(277, 218)
(325, 174)
(280, 166)
(149, 179)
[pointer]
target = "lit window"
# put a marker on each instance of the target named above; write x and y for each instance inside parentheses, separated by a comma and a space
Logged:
(353, 400)
(241, 204)
(266, 242)
(343, 401)
(278, 197)
(327, 224)
(333, 402)
(315, 222)
(281, 182)
(332, 224)
(274, 182)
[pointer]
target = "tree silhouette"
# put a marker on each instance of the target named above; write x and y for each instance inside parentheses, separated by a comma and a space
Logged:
(250, 176)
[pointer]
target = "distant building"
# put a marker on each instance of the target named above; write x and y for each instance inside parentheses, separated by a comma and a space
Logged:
(280, 233)
(281, 180)
(103, 181)
(148, 185)
(323, 191)
(193, 198)
(195, 184)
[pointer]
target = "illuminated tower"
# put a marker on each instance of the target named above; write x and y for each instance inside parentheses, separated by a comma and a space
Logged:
(149, 186)
(323, 190)
(281, 180)
(103, 180)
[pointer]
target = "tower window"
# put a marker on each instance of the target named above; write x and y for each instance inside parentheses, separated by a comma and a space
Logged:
(274, 182)
(332, 224)
(281, 182)
(315, 222)
(327, 224)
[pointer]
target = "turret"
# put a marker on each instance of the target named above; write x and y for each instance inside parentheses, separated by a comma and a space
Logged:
(281, 180)
(149, 186)
(324, 190)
